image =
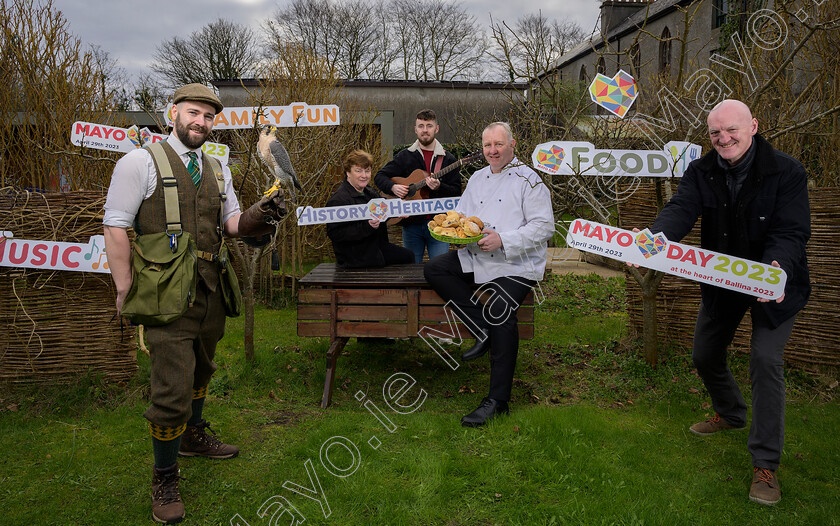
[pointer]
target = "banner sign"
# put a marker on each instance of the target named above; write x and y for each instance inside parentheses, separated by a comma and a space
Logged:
(581, 158)
(54, 255)
(103, 137)
(380, 209)
(295, 114)
(654, 251)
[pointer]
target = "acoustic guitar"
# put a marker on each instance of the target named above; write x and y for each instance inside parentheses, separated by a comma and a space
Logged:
(416, 181)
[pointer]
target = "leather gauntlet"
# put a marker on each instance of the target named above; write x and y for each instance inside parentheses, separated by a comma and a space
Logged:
(259, 219)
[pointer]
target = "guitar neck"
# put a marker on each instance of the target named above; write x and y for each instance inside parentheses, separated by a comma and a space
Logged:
(440, 173)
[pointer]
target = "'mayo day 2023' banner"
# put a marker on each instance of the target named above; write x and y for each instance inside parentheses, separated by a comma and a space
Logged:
(112, 138)
(654, 251)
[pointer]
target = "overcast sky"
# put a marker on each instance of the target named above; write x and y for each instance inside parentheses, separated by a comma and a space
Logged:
(130, 30)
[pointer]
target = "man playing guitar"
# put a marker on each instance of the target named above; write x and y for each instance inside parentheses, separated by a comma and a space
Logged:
(428, 155)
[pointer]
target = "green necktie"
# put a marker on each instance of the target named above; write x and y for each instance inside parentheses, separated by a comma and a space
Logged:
(192, 167)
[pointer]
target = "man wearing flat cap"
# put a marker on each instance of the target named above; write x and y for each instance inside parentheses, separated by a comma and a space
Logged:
(182, 350)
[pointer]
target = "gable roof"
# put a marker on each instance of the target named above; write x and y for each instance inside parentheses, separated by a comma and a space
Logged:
(653, 11)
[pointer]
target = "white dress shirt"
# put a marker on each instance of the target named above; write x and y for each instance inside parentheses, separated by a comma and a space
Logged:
(516, 204)
(135, 179)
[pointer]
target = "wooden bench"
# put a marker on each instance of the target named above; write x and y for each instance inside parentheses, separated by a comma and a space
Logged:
(390, 302)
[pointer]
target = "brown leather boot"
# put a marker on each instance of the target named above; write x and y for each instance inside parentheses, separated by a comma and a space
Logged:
(167, 507)
(195, 442)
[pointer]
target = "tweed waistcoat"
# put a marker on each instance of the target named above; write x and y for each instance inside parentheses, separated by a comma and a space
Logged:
(200, 207)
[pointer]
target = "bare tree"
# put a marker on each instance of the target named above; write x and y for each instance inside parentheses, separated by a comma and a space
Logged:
(438, 40)
(149, 95)
(351, 37)
(533, 45)
(50, 82)
(219, 50)
(407, 39)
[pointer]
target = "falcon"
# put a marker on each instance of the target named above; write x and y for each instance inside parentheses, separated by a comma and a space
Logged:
(276, 157)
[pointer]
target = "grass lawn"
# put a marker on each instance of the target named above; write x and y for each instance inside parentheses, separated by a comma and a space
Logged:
(595, 436)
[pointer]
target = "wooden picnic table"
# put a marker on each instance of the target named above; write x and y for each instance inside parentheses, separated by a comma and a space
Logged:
(390, 302)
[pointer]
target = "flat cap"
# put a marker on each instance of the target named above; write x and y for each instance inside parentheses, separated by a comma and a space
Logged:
(198, 93)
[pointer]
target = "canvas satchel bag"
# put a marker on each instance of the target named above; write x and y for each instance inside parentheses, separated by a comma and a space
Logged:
(163, 281)
(228, 281)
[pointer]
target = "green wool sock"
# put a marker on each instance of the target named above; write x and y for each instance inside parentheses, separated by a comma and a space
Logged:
(197, 406)
(166, 451)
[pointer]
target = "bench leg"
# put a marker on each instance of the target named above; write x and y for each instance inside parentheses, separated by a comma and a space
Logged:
(336, 347)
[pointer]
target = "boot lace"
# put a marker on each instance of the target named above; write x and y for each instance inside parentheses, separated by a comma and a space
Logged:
(166, 491)
(202, 436)
(764, 475)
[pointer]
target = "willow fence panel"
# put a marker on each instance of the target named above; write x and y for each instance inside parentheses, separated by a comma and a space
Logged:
(815, 341)
(56, 326)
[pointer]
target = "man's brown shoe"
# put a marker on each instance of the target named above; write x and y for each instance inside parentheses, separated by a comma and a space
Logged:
(167, 507)
(196, 442)
(712, 426)
(765, 487)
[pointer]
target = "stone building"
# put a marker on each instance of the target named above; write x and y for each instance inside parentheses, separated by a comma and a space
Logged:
(398, 101)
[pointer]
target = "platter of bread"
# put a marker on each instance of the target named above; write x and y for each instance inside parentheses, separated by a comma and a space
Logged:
(455, 227)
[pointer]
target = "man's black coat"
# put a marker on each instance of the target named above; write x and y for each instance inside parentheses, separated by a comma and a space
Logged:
(769, 220)
(405, 162)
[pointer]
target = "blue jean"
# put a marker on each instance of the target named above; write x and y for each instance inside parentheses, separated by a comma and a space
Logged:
(417, 239)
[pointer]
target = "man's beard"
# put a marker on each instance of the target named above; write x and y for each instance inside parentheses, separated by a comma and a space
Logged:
(427, 142)
(183, 132)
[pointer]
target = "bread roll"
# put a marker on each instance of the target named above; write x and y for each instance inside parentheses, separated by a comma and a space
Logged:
(478, 222)
(450, 223)
(437, 229)
(440, 218)
(471, 229)
(452, 214)
(432, 225)
(448, 232)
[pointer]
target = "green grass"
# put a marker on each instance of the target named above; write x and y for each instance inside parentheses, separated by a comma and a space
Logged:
(595, 436)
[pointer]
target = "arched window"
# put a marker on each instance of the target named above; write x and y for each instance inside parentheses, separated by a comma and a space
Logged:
(583, 77)
(665, 52)
(636, 59)
(600, 67)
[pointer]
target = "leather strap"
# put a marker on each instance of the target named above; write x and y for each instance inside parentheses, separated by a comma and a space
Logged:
(170, 190)
(206, 256)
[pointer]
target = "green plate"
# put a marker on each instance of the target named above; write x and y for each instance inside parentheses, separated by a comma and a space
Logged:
(456, 240)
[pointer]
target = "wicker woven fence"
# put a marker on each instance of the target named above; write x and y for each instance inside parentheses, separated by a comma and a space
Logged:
(54, 325)
(816, 336)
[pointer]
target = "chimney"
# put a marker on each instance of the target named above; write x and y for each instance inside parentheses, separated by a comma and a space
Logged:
(615, 12)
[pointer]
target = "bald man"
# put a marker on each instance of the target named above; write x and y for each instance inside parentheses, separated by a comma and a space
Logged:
(753, 201)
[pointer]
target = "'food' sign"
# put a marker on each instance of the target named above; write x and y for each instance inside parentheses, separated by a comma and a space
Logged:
(571, 158)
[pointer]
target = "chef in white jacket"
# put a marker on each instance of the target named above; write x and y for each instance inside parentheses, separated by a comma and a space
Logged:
(515, 206)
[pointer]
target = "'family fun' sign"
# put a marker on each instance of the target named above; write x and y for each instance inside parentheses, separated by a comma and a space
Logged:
(572, 158)
(295, 114)
(53, 255)
(656, 252)
(112, 138)
(380, 209)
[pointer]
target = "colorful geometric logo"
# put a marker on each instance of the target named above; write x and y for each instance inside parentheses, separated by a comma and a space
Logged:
(378, 210)
(650, 245)
(615, 94)
(551, 159)
(134, 135)
(145, 135)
